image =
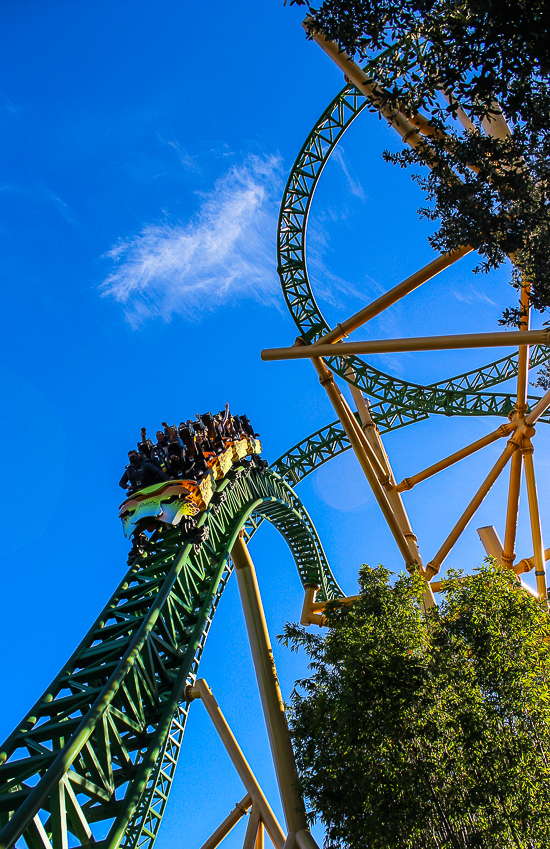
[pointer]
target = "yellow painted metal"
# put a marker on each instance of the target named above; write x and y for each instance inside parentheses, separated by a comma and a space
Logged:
(375, 440)
(319, 606)
(364, 453)
(408, 131)
(304, 840)
(512, 510)
(516, 466)
(409, 128)
(392, 296)
(528, 563)
(434, 566)
(326, 379)
(503, 430)
(309, 599)
(202, 691)
(252, 828)
(491, 542)
(534, 514)
(538, 409)
(260, 837)
(268, 685)
(437, 587)
(395, 500)
(417, 343)
(523, 355)
(229, 823)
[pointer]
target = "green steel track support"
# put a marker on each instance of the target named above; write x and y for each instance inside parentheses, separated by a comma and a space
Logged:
(461, 395)
(97, 753)
(94, 760)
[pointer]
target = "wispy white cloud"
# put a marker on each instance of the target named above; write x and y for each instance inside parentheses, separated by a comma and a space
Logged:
(471, 295)
(39, 192)
(227, 251)
(354, 184)
(186, 160)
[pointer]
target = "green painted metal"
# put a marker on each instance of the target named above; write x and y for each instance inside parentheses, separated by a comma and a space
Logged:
(97, 753)
(330, 441)
(94, 760)
(461, 395)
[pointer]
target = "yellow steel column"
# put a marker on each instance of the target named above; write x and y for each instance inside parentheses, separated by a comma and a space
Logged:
(536, 531)
(201, 690)
(509, 549)
(394, 497)
(260, 837)
(252, 828)
(371, 432)
(409, 483)
(516, 466)
(231, 820)
(490, 541)
(363, 452)
(268, 685)
(434, 566)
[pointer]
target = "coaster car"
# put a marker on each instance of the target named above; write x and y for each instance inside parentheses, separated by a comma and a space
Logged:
(169, 501)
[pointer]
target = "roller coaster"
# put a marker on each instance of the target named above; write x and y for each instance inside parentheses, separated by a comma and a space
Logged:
(93, 761)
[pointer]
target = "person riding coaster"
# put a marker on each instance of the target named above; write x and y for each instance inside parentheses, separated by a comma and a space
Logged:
(189, 451)
(140, 473)
(168, 501)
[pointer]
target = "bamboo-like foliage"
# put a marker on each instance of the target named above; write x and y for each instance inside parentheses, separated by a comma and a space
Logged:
(428, 732)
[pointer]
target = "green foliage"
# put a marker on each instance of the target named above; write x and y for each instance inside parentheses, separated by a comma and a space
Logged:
(485, 56)
(428, 732)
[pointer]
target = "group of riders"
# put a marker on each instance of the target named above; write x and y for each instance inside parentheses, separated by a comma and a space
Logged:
(183, 452)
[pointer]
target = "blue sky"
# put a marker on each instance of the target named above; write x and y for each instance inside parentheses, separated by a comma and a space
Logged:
(144, 151)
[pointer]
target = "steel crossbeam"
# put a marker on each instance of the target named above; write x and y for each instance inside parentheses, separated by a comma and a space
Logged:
(461, 395)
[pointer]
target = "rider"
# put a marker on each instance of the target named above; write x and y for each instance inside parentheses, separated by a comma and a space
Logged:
(140, 473)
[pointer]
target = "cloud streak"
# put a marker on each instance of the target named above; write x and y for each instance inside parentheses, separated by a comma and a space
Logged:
(226, 252)
(354, 184)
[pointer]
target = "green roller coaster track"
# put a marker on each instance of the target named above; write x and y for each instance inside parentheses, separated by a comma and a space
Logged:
(461, 395)
(95, 757)
(100, 746)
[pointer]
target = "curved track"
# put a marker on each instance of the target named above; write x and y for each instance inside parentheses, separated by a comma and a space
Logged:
(460, 395)
(94, 760)
(98, 751)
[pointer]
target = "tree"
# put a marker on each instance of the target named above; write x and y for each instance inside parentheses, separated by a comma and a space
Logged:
(476, 59)
(417, 731)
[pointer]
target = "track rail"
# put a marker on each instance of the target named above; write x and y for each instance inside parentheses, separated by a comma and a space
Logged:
(97, 752)
(460, 395)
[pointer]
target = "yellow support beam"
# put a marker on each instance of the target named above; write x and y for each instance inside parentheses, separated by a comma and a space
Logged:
(534, 514)
(268, 685)
(364, 454)
(395, 294)
(434, 566)
(201, 690)
(240, 810)
(408, 483)
(416, 343)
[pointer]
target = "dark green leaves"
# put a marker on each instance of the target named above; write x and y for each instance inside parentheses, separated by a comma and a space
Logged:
(480, 53)
(428, 733)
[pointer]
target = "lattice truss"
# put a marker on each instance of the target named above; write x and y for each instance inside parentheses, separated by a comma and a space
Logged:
(396, 402)
(94, 759)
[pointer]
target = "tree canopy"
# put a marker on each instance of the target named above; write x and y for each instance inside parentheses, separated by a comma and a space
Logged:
(473, 59)
(428, 732)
